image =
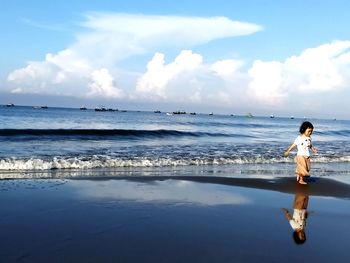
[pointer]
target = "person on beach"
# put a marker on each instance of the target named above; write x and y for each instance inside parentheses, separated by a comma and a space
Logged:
(298, 220)
(303, 144)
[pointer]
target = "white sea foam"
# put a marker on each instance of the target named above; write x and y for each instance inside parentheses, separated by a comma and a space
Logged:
(92, 162)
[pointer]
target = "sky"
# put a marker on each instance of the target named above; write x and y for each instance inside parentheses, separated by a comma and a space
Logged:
(287, 58)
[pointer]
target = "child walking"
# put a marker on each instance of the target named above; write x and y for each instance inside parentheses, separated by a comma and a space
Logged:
(303, 144)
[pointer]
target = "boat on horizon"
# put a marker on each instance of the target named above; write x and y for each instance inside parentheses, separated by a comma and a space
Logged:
(179, 112)
(100, 108)
(10, 105)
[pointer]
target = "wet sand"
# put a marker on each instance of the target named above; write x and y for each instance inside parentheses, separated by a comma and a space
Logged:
(171, 219)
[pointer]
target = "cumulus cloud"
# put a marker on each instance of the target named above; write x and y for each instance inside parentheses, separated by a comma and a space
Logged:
(155, 81)
(58, 74)
(103, 85)
(315, 70)
(265, 83)
(227, 67)
(188, 79)
(86, 68)
(108, 38)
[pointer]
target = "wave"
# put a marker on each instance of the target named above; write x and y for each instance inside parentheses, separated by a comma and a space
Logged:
(339, 133)
(86, 133)
(103, 161)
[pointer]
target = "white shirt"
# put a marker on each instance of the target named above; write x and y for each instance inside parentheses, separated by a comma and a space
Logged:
(299, 219)
(303, 144)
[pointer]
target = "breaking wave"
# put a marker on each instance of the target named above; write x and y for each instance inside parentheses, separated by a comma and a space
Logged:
(101, 161)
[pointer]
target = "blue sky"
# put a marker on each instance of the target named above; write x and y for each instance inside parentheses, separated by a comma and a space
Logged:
(265, 57)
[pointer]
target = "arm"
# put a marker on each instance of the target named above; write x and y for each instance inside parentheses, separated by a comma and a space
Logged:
(291, 147)
(286, 214)
(313, 149)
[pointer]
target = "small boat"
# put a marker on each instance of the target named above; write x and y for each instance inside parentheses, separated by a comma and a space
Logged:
(157, 111)
(44, 107)
(212, 113)
(10, 105)
(100, 108)
(272, 116)
(179, 112)
(83, 108)
(292, 117)
(193, 113)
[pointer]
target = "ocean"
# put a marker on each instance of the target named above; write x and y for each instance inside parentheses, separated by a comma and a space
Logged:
(66, 142)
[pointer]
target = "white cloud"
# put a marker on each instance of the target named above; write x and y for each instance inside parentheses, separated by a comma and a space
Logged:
(103, 85)
(108, 38)
(174, 191)
(267, 82)
(315, 70)
(154, 83)
(188, 80)
(226, 68)
(86, 68)
(134, 34)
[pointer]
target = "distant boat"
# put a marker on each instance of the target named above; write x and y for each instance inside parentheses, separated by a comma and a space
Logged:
(292, 117)
(100, 108)
(83, 108)
(44, 107)
(212, 113)
(249, 115)
(193, 113)
(10, 105)
(157, 111)
(272, 116)
(179, 112)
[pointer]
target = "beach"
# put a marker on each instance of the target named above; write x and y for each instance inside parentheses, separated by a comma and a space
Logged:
(171, 219)
(87, 186)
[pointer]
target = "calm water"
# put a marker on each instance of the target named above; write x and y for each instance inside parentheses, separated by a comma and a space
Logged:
(60, 142)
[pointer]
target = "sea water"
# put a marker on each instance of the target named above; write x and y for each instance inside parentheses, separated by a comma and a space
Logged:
(66, 142)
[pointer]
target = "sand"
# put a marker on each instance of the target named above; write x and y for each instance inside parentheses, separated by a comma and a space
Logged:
(171, 219)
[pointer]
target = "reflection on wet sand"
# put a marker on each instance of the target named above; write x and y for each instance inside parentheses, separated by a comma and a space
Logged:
(297, 220)
(173, 191)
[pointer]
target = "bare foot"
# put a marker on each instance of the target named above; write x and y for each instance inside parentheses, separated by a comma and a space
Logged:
(302, 181)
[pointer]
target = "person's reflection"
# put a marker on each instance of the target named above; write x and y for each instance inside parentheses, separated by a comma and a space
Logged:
(298, 220)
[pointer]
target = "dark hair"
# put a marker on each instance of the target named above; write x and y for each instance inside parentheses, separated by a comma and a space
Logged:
(297, 238)
(304, 126)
